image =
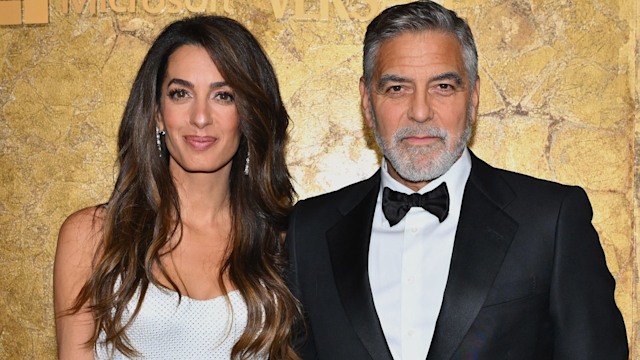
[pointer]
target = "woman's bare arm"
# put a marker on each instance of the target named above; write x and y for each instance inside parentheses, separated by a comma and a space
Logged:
(77, 243)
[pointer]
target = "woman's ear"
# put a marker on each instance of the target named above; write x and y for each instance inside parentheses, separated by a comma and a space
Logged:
(159, 121)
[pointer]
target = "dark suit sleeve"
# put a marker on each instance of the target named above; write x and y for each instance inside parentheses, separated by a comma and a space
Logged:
(587, 322)
(303, 342)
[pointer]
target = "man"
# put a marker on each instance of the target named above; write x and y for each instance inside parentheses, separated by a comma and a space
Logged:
(497, 265)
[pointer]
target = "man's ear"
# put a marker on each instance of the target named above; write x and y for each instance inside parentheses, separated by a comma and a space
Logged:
(365, 103)
(475, 100)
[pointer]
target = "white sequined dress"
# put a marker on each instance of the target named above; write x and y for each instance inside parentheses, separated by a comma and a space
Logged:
(192, 329)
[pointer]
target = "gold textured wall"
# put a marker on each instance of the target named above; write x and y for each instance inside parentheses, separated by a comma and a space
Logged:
(559, 100)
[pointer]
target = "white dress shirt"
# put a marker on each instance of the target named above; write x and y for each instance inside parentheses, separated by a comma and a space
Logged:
(409, 264)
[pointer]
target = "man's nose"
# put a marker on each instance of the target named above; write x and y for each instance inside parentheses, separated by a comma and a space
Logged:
(420, 109)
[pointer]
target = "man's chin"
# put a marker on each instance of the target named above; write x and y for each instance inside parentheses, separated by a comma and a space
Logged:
(421, 168)
(422, 160)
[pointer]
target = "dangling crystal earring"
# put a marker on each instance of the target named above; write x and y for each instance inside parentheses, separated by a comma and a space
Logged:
(158, 142)
(246, 165)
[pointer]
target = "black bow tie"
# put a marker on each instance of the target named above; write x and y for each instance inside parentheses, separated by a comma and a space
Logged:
(395, 205)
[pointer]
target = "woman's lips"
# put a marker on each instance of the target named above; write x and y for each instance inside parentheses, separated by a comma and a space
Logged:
(200, 142)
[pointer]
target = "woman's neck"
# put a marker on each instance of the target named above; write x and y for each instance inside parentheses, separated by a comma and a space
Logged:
(204, 197)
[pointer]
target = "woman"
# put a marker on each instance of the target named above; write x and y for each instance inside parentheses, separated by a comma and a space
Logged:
(185, 261)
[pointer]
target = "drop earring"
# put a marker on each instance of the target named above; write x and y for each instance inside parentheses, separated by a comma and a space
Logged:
(246, 166)
(158, 142)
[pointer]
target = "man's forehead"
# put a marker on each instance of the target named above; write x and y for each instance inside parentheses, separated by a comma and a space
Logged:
(429, 50)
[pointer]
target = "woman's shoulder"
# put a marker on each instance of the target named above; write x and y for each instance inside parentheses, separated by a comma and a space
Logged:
(83, 229)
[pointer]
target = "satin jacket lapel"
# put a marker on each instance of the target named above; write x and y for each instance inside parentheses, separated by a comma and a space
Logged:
(348, 243)
(482, 239)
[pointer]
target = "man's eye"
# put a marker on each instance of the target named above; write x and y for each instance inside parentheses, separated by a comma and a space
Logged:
(395, 88)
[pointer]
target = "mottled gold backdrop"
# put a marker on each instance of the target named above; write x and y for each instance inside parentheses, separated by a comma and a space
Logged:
(559, 100)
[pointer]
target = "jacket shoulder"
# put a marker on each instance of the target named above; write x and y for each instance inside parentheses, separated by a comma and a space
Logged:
(518, 182)
(526, 185)
(338, 201)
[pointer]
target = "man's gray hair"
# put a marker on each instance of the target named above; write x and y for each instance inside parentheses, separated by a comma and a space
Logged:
(416, 17)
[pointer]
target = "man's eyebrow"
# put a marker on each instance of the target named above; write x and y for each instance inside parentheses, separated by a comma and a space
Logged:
(384, 79)
(452, 75)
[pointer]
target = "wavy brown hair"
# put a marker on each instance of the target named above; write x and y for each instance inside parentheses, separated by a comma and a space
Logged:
(143, 212)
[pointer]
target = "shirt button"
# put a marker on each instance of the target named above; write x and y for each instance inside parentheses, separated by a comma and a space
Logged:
(410, 333)
(411, 279)
(414, 230)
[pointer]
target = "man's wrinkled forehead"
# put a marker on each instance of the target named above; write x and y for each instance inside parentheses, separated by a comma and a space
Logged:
(405, 43)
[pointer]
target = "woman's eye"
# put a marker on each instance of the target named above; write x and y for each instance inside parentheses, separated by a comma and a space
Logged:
(178, 94)
(224, 96)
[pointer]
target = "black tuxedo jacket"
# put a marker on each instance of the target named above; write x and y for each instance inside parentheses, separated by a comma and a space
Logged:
(528, 278)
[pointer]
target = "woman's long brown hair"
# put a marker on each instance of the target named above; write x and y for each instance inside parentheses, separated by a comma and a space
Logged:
(143, 212)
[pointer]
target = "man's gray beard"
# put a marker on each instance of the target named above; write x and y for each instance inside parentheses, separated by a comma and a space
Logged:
(402, 158)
